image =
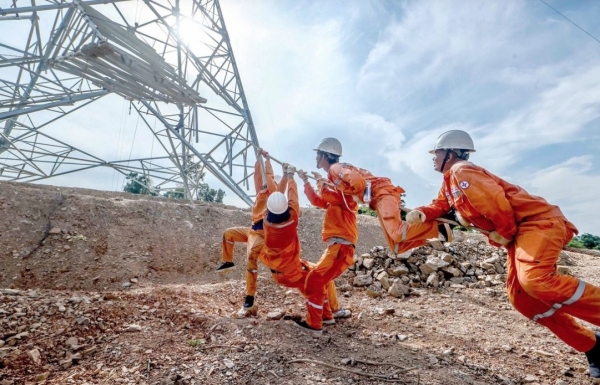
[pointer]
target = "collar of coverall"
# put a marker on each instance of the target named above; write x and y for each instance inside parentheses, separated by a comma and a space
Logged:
(278, 218)
(456, 166)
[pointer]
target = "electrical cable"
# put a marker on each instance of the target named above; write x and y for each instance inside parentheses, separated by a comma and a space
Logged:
(133, 140)
(121, 124)
(571, 21)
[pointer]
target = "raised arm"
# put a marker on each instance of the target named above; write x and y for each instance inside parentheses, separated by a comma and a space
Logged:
(292, 193)
(310, 193)
(271, 185)
(258, 182)
(282, 185)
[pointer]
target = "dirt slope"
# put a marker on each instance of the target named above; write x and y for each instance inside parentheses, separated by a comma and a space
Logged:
(103, 288)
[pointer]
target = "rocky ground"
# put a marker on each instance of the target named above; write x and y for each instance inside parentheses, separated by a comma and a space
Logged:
(102, 288)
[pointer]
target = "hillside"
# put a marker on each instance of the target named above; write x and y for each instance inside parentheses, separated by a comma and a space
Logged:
(100, 287)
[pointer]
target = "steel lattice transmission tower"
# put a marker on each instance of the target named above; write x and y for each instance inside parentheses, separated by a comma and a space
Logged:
(172, 60)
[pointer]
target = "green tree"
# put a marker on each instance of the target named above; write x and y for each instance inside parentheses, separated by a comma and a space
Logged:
(139, 184)
(364, 209)
(576, 243)
(176, 193)
(590, 241)
(204, 193)
(207, 194)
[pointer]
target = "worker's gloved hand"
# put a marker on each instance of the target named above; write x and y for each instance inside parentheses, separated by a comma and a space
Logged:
(317, 175)
(264, 153)
(322, 182)
(284, 167)
(290, 169)
(415, 217)
(499, 239)
(303, 175)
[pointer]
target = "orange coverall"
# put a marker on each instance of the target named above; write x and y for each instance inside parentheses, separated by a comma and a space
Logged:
(340, 232)
(538, 231)
(254, 235)
(281, 254)
(385, 199)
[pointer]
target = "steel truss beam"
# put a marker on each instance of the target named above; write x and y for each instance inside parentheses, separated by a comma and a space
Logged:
(171, 59)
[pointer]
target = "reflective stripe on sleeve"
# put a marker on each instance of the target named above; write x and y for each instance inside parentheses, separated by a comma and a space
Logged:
(574, 298)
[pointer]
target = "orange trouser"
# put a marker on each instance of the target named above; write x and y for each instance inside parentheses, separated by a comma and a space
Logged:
(334, 261)
(332, 299)
(540, 294)
(399, 235)
(255, 241)
(298, 282)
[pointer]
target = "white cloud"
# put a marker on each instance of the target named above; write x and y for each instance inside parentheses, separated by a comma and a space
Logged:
(432, 44)
(558, 115)
(572, 186)
(387, 78)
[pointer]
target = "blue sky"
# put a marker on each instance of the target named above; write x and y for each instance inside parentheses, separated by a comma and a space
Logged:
(388, 77)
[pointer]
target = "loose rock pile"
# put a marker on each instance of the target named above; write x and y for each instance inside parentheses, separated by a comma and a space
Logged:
(468, 263)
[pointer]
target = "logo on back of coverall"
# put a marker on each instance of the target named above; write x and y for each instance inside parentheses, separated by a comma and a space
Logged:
(464, 184)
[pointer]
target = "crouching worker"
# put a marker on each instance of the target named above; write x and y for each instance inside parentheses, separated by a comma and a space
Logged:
(281, 252)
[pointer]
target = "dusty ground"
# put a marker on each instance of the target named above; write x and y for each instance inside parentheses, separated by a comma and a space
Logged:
(103, 288)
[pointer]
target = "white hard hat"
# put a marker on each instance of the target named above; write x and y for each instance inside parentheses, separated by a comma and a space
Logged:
(277, 178)
(330, 145)
(454, 140)
(277, 203)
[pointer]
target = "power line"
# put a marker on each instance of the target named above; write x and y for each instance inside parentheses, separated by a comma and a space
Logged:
(571, 21)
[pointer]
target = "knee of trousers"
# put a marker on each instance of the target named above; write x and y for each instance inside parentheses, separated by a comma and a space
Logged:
(522, 302)
(280, 279)
(535, 283)
(252, 265)
(316, 292)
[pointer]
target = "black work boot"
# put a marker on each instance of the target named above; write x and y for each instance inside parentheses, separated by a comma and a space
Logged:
(307, 329)
(249, 308)
(446, 230)
(593, 357)
(249, 302)
(225, 266)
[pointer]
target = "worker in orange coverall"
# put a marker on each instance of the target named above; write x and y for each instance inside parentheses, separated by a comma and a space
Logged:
(340, 231)
(281, 252)
(383, 197)
(253, 236)
(533, 232)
